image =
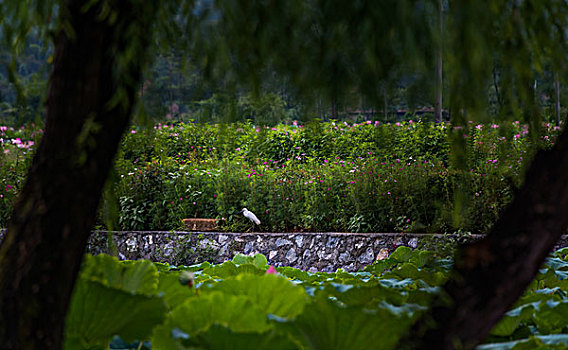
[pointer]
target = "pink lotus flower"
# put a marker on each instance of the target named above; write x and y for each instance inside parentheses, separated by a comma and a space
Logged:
(271, 271)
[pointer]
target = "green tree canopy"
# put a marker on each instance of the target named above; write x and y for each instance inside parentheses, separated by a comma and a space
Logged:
(102, 46)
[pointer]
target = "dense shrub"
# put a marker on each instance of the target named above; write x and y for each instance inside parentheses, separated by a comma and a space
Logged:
(323, 176)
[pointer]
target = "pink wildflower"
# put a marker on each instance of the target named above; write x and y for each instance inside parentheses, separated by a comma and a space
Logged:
(271, 271)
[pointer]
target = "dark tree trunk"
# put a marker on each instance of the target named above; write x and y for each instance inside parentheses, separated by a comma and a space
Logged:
(490, 275)
(438, 117)
(333, 108)
(496, 87)
(47, 234)
(385, 105)
(556, 99)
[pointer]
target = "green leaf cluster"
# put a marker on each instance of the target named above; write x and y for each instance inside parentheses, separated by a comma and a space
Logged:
(237, 305)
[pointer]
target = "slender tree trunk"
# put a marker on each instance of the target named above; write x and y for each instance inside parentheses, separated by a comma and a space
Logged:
(48, 231)
(385, 105)
(333, 110)
(496, 87)
(490, 275)
(557, 98)
(170, 85)
(439, 65)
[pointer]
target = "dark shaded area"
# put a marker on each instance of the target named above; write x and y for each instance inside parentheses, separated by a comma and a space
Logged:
(89, 105)
(490, 275)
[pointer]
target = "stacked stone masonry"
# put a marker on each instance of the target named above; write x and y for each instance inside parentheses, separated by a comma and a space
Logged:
(307, 251)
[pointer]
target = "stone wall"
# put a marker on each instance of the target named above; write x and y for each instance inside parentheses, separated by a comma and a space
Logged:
(307, 251)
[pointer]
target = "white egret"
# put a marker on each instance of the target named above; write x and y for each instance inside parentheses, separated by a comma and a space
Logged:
(250, 215)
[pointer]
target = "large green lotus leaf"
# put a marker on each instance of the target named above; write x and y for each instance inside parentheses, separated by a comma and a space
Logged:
(164, 267)
(561, 253)
(242, 259)
(219, 337)
(98, 312)
(365, 296)
(355, 279)
(197, 315)
(421, 297)
(172, 291)
(161, 267)
(557, 264)
(257, 260)
(444, 265)
(306, 278)
(325, 325)
(260, 261)
(551, 279)
(229, 269)
(409, 270)
(423, 258)
(272, 294)
(117, 343)
(544, 294)
(140, 277)
(551, 317)
(407, 310)
(512, 320)
(234, 311)
(401, 254)
(378, 267)
(250, 269)
(204, 279)
(405, 284)
(76, 343)
(162, 338)
(194, 268)
(539, 342)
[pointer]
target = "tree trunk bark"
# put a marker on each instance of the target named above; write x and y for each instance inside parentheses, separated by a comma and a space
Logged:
(556, 99)
(490, 275)
(496, 87)
(385, 105)
(438, 117)
(48, 231)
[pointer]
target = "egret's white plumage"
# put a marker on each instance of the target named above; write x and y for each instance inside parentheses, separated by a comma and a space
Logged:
(250, 215)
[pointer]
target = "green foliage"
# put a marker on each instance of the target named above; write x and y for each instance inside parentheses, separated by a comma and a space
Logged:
(237, 305)
(105, 289)
(323, 176)
(16, 151)
(258, 260)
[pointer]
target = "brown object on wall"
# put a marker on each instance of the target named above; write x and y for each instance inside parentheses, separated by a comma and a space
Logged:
(196, 224)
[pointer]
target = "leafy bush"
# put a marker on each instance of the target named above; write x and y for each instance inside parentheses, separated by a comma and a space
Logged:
(330, 176)
(323, 176)
(16, 150)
